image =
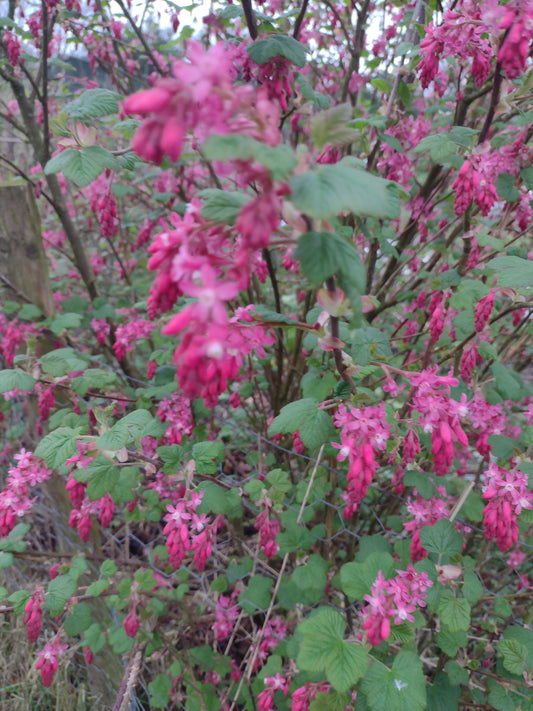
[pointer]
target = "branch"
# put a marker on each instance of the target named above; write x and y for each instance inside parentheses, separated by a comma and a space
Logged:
(300, 19)
(251, 22)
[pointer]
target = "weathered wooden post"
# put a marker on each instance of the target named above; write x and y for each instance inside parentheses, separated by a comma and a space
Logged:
(24, 277)
(23, 267)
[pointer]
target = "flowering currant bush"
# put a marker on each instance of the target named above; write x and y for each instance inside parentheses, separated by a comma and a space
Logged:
(267, 412)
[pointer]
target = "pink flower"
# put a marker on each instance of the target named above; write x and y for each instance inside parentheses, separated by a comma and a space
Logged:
(48, 660)
(395, 599)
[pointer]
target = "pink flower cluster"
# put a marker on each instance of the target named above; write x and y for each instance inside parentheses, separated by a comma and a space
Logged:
(226, 615)
(275, 632)
(265, 700)
(267, 523)
(199, 260)
(209, 262)
(395, 599)
(461, 35)
(199, 97)
(517, 23)
(474, 183)
(33, 614)
(426, 512)
(128, 334)
(508, 493)
(176, 411)
(439, 414)
(83, 511)
(364, 432)
(15, 498)
(186, 531)
(13, 333)
(302, 697)
(48, 659)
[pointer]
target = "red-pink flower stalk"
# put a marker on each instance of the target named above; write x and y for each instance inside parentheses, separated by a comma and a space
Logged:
(33, 614)
(302, 697)
(268, 526)
(265, 700)
(508, 493)
(364, 432)
(393, 600)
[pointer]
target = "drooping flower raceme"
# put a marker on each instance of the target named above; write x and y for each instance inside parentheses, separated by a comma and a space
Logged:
(48, 659)
(393, 600)
(364, 432)
(508, 493)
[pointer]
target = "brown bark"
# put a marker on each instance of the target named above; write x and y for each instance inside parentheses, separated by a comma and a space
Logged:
(23, 265)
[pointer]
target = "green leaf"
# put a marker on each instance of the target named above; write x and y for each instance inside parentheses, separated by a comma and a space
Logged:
(93, 379)
(256, 596)
(207, 456)
(381, 85)
(311, 580)
(11, 379)
(323, 254)
(103, 475)
(331, 189)
(508, 384)
(60, 590)
(29, 312)
(62, 361)
(218, 500)
(221, 205)
(357, 578)
(368, 343)
(6, 560)
(126, 429)
(279, 160)
(502, 446)
(323, 649)
(527, 176)
(294, 536)
(442, 696)
(472, 588)
(330, 127)
(454, 612)
(421, 482)
(277, 45)
(514, 655)
(512, 271)
(502, 607)
(19, 600)
(350, 664)
(501, 698)
(79, 619)
(450, 642)
(82, 166)
(57, 446)
(159, 690)
(93, 103)
(456, 674)
(172, 456)
(440, 147)
(401, 688)
(64, 322)
(93, 638)
(441, 538)
(321, 634)
(315, 425)
(505, 187)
